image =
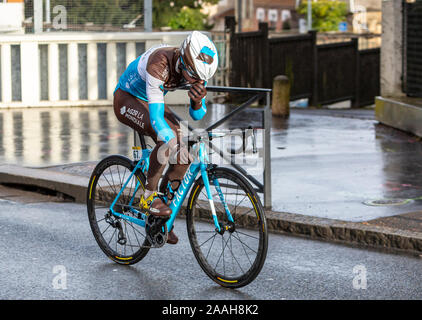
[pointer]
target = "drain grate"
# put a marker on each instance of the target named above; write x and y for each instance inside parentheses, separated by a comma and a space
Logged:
(387, 202)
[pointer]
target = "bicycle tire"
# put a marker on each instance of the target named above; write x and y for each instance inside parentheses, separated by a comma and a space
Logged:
(102, 190)
(249, 224)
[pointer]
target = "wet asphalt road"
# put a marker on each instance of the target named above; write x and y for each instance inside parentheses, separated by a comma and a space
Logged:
(41, 240)
(325, 163)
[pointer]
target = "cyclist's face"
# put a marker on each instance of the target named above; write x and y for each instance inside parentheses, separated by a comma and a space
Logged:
(188, 73)
(189, 79)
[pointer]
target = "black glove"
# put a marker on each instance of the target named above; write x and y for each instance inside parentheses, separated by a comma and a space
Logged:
(197, 92)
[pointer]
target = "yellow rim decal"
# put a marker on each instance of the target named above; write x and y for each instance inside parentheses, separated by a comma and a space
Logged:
(120, 258)
(228, 281)
(256, 212)
(193, 196)
(253, 203)
(90, 190)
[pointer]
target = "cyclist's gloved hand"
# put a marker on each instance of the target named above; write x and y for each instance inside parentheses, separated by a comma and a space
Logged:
(179, 153)
(197, 92)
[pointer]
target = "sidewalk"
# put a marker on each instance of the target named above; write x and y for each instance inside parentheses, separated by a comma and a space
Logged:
(337, 175)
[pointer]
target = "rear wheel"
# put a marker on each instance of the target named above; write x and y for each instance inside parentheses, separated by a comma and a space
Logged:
(122, 241)
(235, 256)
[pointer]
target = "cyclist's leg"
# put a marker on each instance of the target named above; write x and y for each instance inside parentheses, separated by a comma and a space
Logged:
(175, 171)
(134, 113)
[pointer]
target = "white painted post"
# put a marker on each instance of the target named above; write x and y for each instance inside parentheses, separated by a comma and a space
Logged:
(30, 73)
(92, 69)
(53, 72)
(130, 52)
(38, 21)
(111, 69)
(6, 73)
(73, 71)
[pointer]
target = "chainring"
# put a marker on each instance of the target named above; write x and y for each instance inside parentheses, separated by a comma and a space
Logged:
(156, 231)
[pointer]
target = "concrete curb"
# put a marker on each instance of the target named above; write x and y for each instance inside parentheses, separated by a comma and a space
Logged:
(69, 184)
(356, 233)
(278, 222)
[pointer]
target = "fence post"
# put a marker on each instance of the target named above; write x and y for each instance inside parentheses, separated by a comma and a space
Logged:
(230, 23)
(267, 119)
(280, 105)
(313, 101)
(264, 74)
(356, 100)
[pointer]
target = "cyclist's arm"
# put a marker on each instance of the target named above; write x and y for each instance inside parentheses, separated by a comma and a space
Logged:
(198, 110)
(155, 94)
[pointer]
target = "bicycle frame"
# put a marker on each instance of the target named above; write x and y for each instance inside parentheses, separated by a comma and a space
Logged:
(200, 165)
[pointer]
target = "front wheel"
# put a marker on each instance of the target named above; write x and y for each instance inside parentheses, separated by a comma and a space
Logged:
(233, 256)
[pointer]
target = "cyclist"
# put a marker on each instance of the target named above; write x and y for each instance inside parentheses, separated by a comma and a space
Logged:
(139, 103)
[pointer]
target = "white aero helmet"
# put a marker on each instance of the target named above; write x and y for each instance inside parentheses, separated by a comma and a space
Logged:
(199, 56)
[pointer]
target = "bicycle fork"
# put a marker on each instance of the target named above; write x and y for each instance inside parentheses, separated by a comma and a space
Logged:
(204, 173)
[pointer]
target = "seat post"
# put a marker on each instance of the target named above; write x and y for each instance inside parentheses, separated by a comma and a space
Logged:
(142, 139)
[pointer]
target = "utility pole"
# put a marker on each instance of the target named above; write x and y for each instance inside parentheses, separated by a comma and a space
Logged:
(47, 13)
(309, 14)
(148, 15)
(239, 15)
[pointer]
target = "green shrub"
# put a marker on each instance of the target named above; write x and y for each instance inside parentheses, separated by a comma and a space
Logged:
(189, 19)
(326, 15)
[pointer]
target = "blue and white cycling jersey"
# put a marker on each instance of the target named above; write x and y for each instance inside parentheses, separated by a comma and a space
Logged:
(145, 80)
(136, 79)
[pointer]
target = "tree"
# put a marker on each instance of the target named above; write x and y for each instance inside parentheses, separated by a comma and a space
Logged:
(180, 14)
(326, 15)
(189, 19)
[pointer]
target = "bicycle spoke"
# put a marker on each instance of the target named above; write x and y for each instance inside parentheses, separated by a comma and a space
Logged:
(234, 257)
(209, 250)
(245, 245)
(247, 234)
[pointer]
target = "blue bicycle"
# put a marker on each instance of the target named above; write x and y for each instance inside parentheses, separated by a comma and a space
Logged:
(225, 219)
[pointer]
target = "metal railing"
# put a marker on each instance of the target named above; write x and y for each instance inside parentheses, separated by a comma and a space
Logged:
(257, 95)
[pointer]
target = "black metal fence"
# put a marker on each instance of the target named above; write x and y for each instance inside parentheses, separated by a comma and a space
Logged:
(324, 74)
(412, 35)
